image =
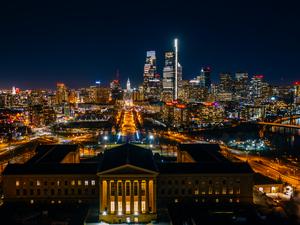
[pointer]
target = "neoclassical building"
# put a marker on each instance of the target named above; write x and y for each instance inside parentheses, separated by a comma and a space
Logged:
(126, 183)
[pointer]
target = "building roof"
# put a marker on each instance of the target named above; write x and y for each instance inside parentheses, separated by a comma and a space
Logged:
(49, 169)
(203, 152)
(260, 179)
(191, 168)
(51, 153)
(128, 154)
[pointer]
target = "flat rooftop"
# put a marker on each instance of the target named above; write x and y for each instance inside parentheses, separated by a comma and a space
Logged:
(51, 153)
(204, 153)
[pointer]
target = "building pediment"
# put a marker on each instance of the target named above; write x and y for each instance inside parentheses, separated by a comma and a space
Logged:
(127, 169)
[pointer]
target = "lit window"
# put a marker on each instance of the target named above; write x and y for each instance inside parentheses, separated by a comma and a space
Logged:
(93, 182)
(196, 192)
(58, 183)
(86, 182)
(261, 189)
(217, 200)
(52, 202)
(79, 182)
(17, 183)
(238, 200)
(38, 183)
(31, 201)
(73, 182)
(230, 200)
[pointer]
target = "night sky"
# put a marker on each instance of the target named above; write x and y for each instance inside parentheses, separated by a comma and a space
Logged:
(78, 42)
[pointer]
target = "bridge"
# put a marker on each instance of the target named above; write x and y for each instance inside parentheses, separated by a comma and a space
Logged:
(279, 125)
(278, 122)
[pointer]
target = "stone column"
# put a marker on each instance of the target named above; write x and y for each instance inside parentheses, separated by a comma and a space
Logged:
(108, 196)
(154, 195)
(131, 197)
(116, 196)
(140, 196)
(123, 197)
(147, 196)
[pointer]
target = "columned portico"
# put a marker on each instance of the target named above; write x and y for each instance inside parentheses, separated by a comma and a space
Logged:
(127, 198)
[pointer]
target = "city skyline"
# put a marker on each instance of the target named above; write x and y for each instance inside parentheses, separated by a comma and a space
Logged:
(79, 44)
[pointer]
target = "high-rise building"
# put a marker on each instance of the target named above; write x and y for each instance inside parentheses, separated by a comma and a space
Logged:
(61, 93)
(297, 92)
(152, 82)
(172, 75)
(241, 85)
(226, 84)
(258, 88)
(204, 78)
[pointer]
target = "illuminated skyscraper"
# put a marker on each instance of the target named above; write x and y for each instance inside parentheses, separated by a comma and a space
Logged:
(61, 93)
(172, 74)
(226, 84)
(204, 78)
(241, 85)
(297, 92)
(258, 88)
(152, 82)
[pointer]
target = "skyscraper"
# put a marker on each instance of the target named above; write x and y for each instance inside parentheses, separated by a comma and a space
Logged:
(61, 93)
(226, 84)
(152, 82)
(172, 74)
(204, 78)
(297, 92)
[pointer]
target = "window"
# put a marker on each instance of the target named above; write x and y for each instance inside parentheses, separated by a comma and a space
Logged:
(170, 191)
(66, 191)
(31, 183)
(176, 191)
(17, 183)
(79, 191)
(45, 183)
(45, 191)
(183, 191)
(66, 182)
(86, 182)
(176, 181)
(93, 191)
(52, 192)
(72, 191)
(24, 192)
(58, 183)
(217, 200)
(58, 191)
(38, 191)
(196, 192)
(73, 182)
(79, 182)
(93, 182)
(17, 192)
(162, 191)
(183, 182)
(52, 183)
(31, 192)
(189, 191)
(38, 183)
(197, 182)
